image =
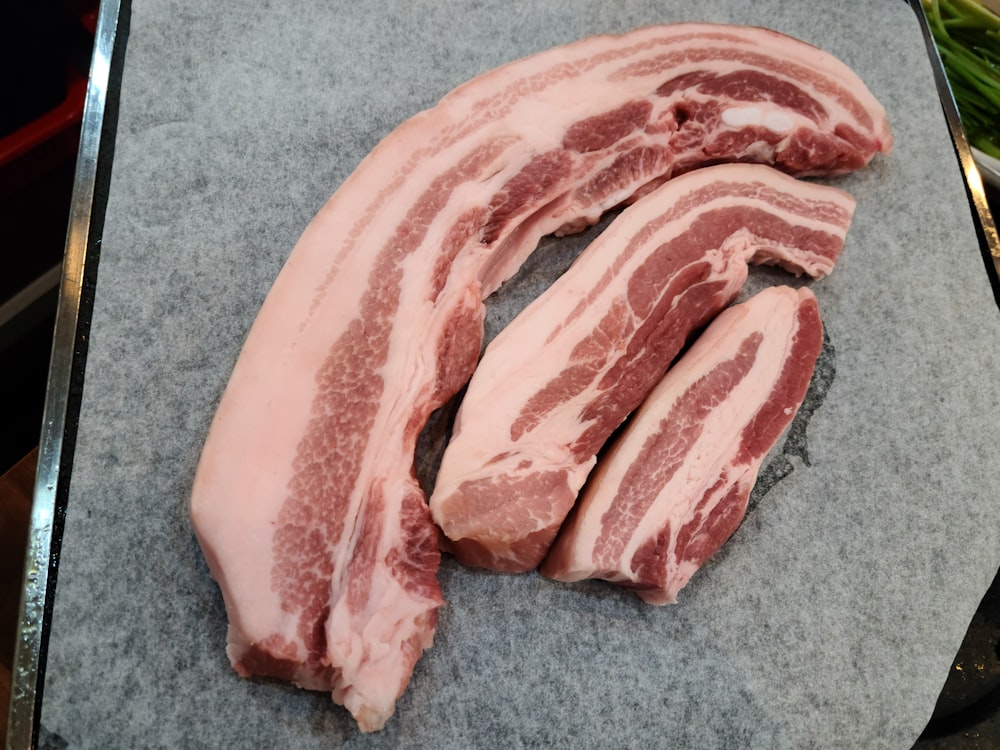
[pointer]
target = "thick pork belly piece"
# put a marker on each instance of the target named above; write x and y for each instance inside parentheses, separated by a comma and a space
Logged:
(674, 486)
(304, 503)
(554, 385)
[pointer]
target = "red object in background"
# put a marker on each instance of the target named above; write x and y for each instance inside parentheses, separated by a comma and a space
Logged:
(45, 49)
(49, 43)
(47, 141)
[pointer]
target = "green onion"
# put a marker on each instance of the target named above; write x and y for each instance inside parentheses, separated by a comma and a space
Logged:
(967, 36)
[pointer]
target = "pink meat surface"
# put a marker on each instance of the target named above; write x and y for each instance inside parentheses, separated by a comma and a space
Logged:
(554, 385)
(304, 502)
(674, 485)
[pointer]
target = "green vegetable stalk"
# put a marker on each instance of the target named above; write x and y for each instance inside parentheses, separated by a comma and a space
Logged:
(967, 36)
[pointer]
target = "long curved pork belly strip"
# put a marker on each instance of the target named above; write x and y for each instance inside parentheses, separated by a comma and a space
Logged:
(304, 501)
(674, 486)
(554, 385)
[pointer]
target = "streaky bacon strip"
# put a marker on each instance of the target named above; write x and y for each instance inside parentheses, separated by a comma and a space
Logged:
(564, 374)
(304, 502)
(674, 485)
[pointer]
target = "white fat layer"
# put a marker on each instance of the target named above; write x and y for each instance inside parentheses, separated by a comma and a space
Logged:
(773, 119)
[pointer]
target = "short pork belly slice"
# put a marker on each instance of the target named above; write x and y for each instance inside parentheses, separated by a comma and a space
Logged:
(555, 384)
(674, 486)
(304, 502)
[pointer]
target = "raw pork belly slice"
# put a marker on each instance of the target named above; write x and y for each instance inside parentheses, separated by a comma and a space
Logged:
(674, 485)
(305, 503)
(554, 385)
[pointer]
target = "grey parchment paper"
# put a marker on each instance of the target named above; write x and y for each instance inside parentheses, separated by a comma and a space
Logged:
(829, 620)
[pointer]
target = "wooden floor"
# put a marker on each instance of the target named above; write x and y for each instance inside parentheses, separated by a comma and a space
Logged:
(16, 488)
